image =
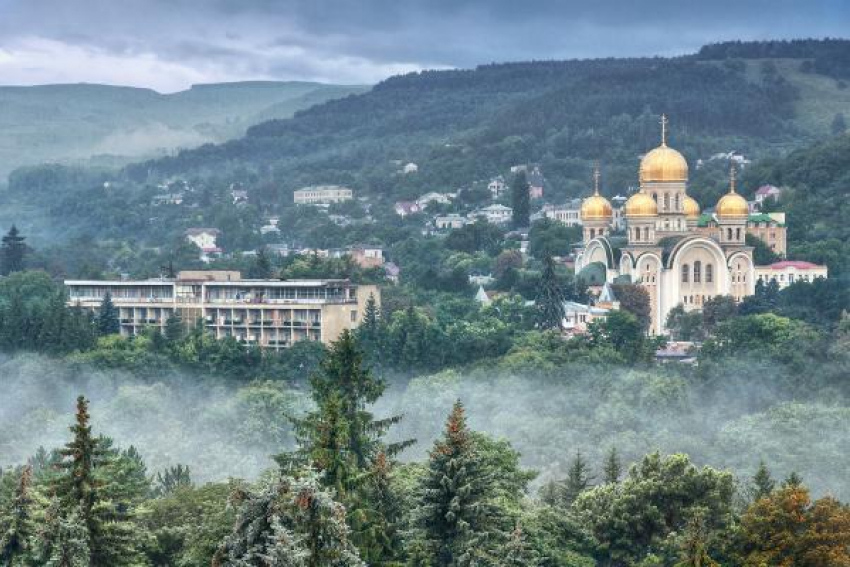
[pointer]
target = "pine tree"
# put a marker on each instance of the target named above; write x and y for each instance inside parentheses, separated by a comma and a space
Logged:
(455, 515)
(290, 522)
(56, 334)
(12, 252)
(578, 479)
(98, 487)
(549, 303)
(613, 468)
(18, 527)
(107, 317)
(262, 267)
(518, 553)
(520, 201)
(369, 332)
(763, 483)
(794, 480)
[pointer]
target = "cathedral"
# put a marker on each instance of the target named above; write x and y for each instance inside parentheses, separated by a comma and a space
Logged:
(664, 249)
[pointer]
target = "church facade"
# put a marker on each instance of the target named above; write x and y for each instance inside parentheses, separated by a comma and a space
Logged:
(663, 249)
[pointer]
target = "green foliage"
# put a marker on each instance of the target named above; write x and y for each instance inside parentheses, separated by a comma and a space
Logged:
(548, 237)
(107, 317)
(549, 302)
(12, 252)
(520, 200)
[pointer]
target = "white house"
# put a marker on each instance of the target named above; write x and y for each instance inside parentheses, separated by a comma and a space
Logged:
(205, 239)
(496, 214)
(497, 187)
(787, 272)
(409, 168)
(322, 194)
(448, 222)
(569, 214)
(434, 197)
(404, 208)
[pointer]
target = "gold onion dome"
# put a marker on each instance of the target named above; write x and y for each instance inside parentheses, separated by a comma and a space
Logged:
(641, 205)
(596, 207)
(692, 209)
(732, 205)
(663, 163)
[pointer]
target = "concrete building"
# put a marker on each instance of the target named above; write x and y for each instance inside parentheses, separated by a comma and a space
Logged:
(267, 313)
(205, 239)
(789, 271)
(769, 227)
(497, 187)
(322, 195)
(495, 214)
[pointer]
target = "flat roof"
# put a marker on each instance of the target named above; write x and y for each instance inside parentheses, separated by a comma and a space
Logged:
(237, 283)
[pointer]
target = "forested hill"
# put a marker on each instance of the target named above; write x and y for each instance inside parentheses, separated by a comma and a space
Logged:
(79, 121)
(466, 124)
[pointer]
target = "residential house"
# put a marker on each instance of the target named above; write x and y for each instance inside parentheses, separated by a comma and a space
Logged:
(497, 187)
(434, 197)
(367, 256)
(449, 222)
(404, 208)
(577, 316)
(409, 168)
(569, 214)
(495, 214)
(271, 226)
(239, 196)
(205, 239)
(535, 183)
(392, 271)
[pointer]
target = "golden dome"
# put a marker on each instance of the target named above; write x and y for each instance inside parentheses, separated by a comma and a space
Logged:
(732, 205)
(692, 210)
(596, 207)
(663, 164)
(641, 205)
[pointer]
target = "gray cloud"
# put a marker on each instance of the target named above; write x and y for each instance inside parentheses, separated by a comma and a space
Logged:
(168, 44)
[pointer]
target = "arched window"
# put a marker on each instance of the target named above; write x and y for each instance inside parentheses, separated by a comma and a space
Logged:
(709, 273)
(697, 271)
(685, 273)
(637, 234)
(678, 203)
(646, 233)
(666, 202)
(655, 197)
(728, 234)
(592, 232)
(738, 234)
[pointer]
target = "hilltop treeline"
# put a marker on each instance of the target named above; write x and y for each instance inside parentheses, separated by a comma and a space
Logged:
(827, 56)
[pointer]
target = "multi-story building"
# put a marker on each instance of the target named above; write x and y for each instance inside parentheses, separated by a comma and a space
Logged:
(322, 195)
(267, 313)
(789, 271)
(569, 214)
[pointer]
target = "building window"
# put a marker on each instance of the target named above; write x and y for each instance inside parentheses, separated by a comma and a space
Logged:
(655, 197)
(637, 234)
(738, 234)
(646, 233)
(697, 271)
(709, 273)
(685, 270)
(354, 316)
(728, 234)
(678, 203)
(666, 202)
(592, 232)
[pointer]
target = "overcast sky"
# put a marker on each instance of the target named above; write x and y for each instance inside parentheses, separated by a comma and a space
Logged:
(171, 44)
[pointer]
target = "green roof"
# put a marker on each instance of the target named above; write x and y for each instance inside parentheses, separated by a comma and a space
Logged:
(593, 274)
(764, 217)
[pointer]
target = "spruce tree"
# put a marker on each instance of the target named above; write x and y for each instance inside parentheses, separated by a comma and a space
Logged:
(549, 303)
(455, 515)
(172, 479)
(17, 527)
(578, 479)
(12, 252)
(763, 483)
(613, 467)
(377, 521)
(369, 331)
(694, 545)
(520, 201)
(289, 522)
(107, 317)
(64, 540)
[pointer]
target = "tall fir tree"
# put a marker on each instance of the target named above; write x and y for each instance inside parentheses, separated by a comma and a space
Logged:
(549, 303)
(377, 521)
(520, 200)
(578, 479)
(174, 328)
(107, 317)
(455, 514)
(64, 539)
(369, 332)
(613, 467)
(12, 252)
(763, 483)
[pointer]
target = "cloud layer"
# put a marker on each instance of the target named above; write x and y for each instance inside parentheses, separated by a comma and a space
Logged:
(170, 44)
